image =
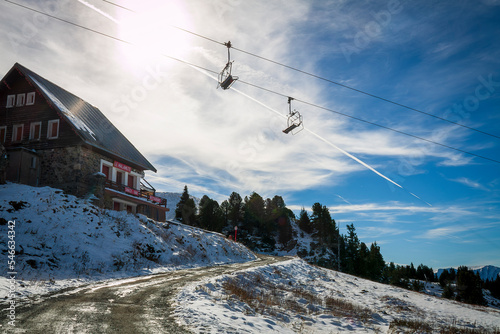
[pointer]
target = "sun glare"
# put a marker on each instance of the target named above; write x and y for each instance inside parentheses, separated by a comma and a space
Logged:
(151, 30)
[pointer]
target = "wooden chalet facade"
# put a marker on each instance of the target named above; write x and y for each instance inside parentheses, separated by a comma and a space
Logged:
(54, 138)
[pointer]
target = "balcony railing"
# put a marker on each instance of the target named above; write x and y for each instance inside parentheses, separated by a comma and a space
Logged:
(144, 192)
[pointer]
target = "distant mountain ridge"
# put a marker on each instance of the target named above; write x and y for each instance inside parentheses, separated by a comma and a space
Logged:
(485, 272)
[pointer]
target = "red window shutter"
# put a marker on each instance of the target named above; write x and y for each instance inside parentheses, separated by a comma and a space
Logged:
(36, 132)
(131, 181)
(116, 206)
(54, 129)
(105, 171)
(19, 133)
(119, 177)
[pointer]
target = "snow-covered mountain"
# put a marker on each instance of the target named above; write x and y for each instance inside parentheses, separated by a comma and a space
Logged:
(485, 272)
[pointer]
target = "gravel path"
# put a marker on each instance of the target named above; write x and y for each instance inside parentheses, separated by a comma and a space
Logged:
(132, 305)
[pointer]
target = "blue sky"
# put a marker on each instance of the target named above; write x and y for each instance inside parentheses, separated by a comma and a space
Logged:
(441, 58)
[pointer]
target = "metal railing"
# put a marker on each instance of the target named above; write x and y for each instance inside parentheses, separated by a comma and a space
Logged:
(142, 193)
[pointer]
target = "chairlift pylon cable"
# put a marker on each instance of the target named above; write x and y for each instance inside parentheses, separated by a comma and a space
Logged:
(253, 85)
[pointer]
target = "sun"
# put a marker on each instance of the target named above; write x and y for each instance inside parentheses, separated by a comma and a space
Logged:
(153, 34)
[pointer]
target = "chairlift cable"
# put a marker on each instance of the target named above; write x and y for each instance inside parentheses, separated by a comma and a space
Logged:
(326, 79)
(365, 93)
(256, 86)
(372, 123)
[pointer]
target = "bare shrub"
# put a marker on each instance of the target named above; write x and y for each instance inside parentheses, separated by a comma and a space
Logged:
(342, 308)
(242, 292)
(409, 326)
(417, 326)
(457, 330)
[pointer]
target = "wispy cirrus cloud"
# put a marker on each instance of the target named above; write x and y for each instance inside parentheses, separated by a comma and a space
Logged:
(470, 183)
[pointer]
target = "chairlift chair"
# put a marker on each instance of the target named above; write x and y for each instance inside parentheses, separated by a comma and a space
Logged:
(294, 121)
(226, 79)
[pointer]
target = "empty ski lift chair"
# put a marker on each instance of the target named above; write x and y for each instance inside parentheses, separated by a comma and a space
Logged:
(294, 121)
(226, 79)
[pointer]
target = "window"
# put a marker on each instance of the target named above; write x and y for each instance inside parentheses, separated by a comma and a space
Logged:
(105, 171)
(3, 134)
(53, 129)
(21, 99)
(33, 162)
(30, 99)
(11, 100)
(119, 177)
(17, 133)
(35, 130)
(131, 181)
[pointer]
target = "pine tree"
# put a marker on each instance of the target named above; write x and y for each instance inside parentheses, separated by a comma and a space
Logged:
(446, 277)
(425, 273)
(494, 287)
(304, 221)
(361, 265)
(469, 287)
(279, 219)
(185, 210)
(352, 246)
(210, 215)
(323, 225)
(224, 207)
(376, 263)
(255, 214)
(235, 209)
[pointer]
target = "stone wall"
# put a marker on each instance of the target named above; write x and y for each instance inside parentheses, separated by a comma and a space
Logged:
(72, 169)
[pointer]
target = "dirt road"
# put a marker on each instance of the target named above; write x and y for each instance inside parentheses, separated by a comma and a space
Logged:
(133, 305)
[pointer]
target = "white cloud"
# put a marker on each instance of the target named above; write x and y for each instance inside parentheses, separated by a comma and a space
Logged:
(470, 183)
(169, 110)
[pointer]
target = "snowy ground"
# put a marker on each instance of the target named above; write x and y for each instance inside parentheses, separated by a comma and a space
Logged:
(61, 241)
(294, 297)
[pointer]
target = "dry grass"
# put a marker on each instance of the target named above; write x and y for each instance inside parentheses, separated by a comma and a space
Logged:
(456, 330)
(410, 326)
(417, 326)
(241, 292)
(265, 298)
(341, 308)
(261, 296)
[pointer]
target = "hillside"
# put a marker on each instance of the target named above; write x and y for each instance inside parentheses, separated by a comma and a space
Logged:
(295, 297)
(62, 240)
(302, 243)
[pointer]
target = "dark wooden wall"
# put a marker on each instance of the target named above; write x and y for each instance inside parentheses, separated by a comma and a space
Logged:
(40, 111)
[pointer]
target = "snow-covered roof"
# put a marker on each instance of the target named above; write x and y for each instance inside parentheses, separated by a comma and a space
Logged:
(88, 121)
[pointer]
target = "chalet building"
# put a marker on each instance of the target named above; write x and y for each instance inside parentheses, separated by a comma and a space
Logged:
(54, 138)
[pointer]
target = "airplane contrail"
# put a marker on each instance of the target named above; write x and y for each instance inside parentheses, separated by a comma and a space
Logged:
(99, 11)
